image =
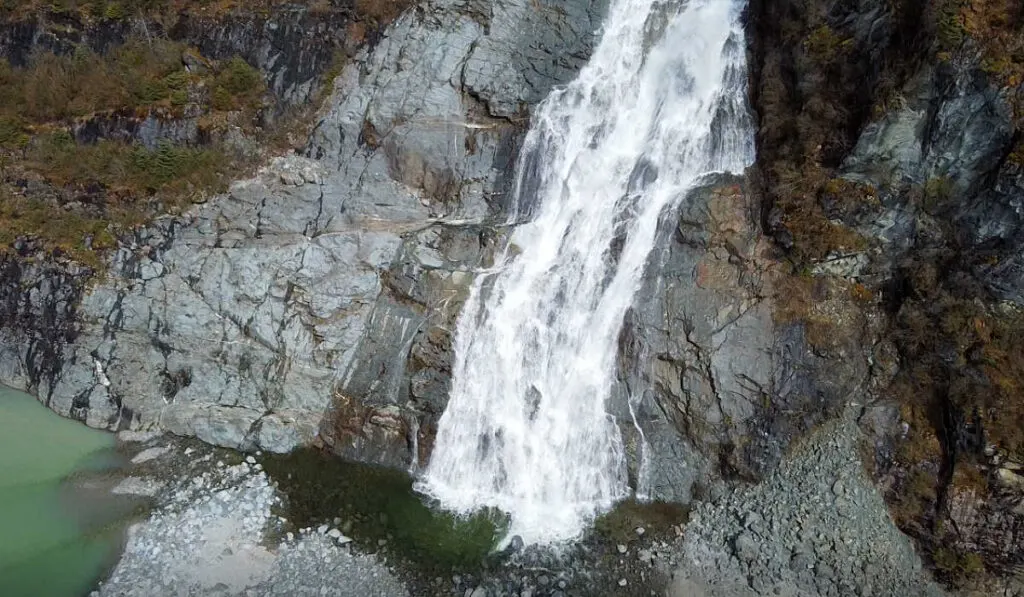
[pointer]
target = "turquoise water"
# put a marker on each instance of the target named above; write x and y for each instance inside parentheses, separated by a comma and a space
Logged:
(54, 540)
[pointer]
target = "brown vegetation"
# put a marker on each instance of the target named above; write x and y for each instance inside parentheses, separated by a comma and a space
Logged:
(818, 85)
(118, 10)
(381, 12)
(103, 188)
(121, 184)
(378, 12)
(961, 387)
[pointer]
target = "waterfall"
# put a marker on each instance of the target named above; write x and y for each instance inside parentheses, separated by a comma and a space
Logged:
(609, 157)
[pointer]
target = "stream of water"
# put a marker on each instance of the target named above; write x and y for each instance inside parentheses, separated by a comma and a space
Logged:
(660, 105)
(53, 543)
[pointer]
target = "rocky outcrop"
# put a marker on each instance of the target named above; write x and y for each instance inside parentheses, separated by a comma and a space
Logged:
(722, 374)
(292, 45)
(889, 146)
(37, 308)
(316, 301)
(329, 279)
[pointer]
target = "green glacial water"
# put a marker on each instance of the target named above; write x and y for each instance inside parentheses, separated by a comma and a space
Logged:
(56, 538)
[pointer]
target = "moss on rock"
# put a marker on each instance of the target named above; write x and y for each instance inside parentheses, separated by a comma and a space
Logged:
(380, 510)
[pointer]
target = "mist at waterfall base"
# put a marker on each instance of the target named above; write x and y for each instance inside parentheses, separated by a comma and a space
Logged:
(607, 161)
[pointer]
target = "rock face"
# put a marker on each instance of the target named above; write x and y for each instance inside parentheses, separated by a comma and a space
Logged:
(292, 46)
(728, 377)
(330, 282)
(37, 308)
(890, 157)
(329, 279)
(316, 301)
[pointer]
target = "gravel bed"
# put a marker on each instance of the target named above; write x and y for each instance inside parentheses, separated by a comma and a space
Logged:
(214, 534)
(816, 527)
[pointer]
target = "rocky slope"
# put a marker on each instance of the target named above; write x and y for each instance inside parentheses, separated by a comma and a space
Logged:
(888, 152)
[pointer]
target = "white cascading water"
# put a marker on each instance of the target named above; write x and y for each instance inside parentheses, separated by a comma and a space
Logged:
(660, 105)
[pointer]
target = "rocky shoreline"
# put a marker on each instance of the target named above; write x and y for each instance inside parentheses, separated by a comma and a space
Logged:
(214, 531)
(219, 528)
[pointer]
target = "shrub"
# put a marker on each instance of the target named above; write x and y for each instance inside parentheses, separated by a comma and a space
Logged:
(221, 99)
(79, 236)
(950, 31)
(239, 78)
(11, 132)
(825, 45)
(957, 568)
(179, 97)
(114, 12)
(238, 86)
(46, 89)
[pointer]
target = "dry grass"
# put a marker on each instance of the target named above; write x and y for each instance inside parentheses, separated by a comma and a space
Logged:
(961, 391)
(118, 10)
(110, 186)
(379, 12)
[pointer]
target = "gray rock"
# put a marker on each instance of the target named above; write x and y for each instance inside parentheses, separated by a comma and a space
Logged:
(950, 141)
(960, 142)
(801, 561)
(532, 47)
(243, 321)
(745, 546)
(718, 385)
(799, 494)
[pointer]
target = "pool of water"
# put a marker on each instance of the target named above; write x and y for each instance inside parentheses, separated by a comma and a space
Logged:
(57, 536)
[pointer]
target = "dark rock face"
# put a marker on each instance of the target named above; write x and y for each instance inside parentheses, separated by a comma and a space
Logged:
(293, 46)
(38, 309)
(149, 131)
(911, 152)
(991, 226)
(19, 40)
